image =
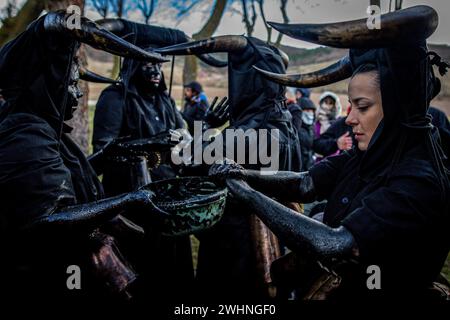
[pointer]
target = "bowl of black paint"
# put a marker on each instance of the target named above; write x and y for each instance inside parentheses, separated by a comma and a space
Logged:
(192, 204)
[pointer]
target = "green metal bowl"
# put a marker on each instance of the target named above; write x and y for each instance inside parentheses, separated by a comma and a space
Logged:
(192, 203)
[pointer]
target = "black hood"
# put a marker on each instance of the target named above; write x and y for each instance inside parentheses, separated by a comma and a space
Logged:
(150, 37)
(407, 84)
(34, 73)
(251, 96)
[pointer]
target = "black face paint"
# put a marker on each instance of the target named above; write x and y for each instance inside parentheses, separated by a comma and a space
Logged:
(151, 75)
(74, 92)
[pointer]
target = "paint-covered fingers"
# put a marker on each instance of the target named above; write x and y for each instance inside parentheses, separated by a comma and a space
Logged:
(226, 170)
(218, 113)
(151, 213)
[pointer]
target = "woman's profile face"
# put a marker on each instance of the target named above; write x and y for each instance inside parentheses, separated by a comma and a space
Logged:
(366, 108)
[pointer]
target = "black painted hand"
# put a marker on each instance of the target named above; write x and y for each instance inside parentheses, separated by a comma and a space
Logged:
(151, 213)
(217, 116)
(226, 170)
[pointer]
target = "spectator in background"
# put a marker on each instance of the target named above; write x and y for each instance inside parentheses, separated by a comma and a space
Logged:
(306, 133)
(294, 108)
(303, 116)
(302, 94)
(328, 111)
(196, 104)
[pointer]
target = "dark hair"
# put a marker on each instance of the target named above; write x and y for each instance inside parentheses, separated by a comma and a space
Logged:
(195, 86)
(368, 67)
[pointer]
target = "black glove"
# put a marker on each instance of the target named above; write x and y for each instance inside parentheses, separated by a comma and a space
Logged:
(217, 116)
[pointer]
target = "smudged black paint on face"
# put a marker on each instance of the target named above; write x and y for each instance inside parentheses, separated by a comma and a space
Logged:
(151, 75)
(74, 92)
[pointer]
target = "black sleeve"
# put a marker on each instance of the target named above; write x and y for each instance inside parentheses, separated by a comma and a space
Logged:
(398, 216)
(325, 174)
(34, 179)
(306, 137)
(108, 117)
(326, 144)
(297, 120)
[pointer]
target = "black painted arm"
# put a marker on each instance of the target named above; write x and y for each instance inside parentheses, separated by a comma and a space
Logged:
(97, 161)
(283, 185)
(298, 231)
(93, 214)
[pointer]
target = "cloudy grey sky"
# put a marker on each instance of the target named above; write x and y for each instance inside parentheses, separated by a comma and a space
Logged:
(299, 11)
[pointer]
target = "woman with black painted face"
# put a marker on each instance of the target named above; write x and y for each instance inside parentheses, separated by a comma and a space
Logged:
(388, 207)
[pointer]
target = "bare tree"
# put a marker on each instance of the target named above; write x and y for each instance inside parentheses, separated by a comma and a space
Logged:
(263, 16)
(146, 7)
(9, 11)
(190, 62)
(14, 25)
(283, 9)
(249, 19)
(121, 7)
(398, 4)
(101, 6)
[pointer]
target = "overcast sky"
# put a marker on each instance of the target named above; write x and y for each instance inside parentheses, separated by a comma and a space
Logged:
(299, 11)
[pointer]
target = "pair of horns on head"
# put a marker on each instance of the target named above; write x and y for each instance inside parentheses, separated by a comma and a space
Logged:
(94, 35)
(117, 26)
(401, 27)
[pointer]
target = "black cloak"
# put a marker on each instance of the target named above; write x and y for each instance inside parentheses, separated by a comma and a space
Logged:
(394, 197)
(125, 111)
(226, 257)
(41, 168)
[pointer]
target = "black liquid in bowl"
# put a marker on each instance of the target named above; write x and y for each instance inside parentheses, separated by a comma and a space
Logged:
(192, 203)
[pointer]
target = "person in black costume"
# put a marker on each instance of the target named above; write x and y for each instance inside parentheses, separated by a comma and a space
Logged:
(227, 263)
(141, 108)
(53, 203)
(388, 199)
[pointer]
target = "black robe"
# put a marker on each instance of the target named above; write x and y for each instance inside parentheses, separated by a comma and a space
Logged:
(393, 197)
(226, 266)
(123, 110)
(41, 170)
